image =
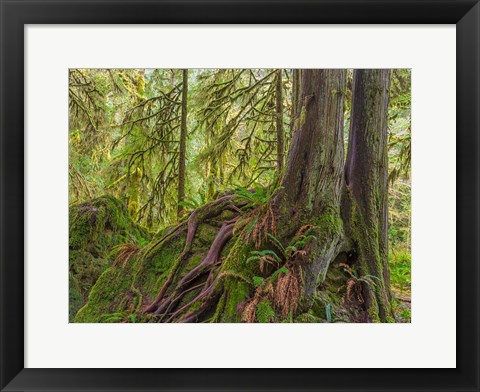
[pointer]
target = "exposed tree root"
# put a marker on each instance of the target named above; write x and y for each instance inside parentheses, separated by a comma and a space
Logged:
(192, 225)
(164, 306)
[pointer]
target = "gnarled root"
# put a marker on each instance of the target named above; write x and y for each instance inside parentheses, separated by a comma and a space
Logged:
(164, 306)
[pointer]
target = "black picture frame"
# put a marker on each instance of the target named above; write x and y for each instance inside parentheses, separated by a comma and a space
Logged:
(15, 14)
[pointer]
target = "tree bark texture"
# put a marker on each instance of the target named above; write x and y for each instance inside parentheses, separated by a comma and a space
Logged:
(183, 144)
(366, 176)
(313, 183)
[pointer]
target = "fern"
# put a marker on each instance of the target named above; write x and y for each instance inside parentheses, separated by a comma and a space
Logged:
(276, 242)
(257, 196)
(265, 312)
(251, 225)
(367, 278)
(267, 252)
(190, 203)
(254, 197)
(112, 317)
(297, 244)
(257, 281)
(283, 270)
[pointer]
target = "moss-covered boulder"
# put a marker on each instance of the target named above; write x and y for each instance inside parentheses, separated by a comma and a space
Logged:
(95, 229)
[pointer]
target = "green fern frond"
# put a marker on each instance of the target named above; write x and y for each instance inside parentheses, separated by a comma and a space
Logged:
(265, 312)
(276, 242)
(257, 281)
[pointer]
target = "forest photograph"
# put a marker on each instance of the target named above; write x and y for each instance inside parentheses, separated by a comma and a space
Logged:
(239, 195)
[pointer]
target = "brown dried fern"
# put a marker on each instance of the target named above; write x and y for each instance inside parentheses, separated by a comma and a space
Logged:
(288, 291)
(125, 252)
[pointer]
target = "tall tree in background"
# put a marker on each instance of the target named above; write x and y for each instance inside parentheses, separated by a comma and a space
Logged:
(183, 144)
(295, 98)
(132, 186)
(279, 119)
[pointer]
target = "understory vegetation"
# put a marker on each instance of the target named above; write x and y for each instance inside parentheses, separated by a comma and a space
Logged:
(239, 195)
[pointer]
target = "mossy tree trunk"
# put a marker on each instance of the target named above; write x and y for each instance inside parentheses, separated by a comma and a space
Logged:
(134, 171)
(183, 145)
(279, 120)
(296, 97)
(313, 183)
(366, 176)
(212, 164)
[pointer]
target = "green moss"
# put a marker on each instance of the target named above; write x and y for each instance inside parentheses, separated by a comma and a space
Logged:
(75, 299)
(308, 317)
(236, 259)
(204, 235)
(102, 223)
(106, 296)
(373, 310)
(95, 228)
(164, 256)
(330, 222)
(123, 290)
(371, 260)
(84, 270)
(219, 309)
(303, 116)
(236, 291)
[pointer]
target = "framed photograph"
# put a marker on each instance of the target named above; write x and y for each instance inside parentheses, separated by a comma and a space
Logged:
(239, 195)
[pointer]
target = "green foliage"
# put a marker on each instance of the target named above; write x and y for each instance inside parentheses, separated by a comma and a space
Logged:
(257, 281)
(400, 270)
(112, 318)
(265, 312)
(192, 203)
(399, 214)
(257, 255)
(297, 244)
(124, 135)
(275, 275)
(371, 280)
(256, 196)
(308, 318)
(406, 314)
(275, 241)
(399, 117)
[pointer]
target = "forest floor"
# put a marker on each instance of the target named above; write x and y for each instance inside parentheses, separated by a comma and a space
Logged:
(403, 304)
(400, 277)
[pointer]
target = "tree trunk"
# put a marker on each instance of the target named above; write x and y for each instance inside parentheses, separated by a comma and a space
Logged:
(313, 183)
(296, 94)
(279, 120)
(134, 173)
(366, 176)
(183, 145)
